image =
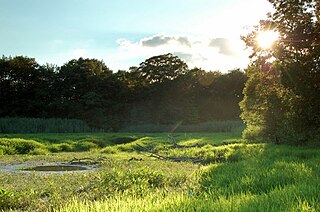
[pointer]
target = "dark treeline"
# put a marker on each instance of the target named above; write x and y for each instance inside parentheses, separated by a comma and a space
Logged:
(162, 90)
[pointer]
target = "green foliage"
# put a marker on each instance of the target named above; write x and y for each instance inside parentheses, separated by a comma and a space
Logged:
(7, 150)
(62, 147)
(39, 151)
(19, 146)
(85, 146)
(37, 125)
(281, 97)
(157, 69)
(136, 182)
(237, 176)
(109, 150)
(259, 177)
(46, 143)
(123, 140)
(212, 126)
(6, 199)
(161, 91)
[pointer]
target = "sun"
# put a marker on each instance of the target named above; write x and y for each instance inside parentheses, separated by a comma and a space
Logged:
(266, 39)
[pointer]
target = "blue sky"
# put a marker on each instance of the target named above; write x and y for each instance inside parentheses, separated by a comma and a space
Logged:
(123, 33)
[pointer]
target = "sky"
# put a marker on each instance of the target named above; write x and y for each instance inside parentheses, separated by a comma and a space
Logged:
(124, 33)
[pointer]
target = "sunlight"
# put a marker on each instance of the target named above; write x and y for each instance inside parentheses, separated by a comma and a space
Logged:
(266, 39)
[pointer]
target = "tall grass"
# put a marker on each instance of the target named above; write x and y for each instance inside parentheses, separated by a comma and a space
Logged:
(210, 127)
(116, 142)
(37, 125)
(260, 177)
(56, 125)
(237, 176)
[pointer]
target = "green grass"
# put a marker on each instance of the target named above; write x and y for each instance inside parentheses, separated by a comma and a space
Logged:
(263, 178)
(112, 142)
(212, 126)
(233, 176)
(58, 125)
(38, 125)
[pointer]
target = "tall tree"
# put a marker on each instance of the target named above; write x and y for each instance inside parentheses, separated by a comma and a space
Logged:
(84, 90)
(19, 79)
(282, 94)
(163, 67)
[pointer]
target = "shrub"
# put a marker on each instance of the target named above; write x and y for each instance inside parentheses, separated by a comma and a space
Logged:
(39, 151)
(109, 150)
(85, 146)
(123, 140)
(63, 147)
(18, 145)
(7, 150)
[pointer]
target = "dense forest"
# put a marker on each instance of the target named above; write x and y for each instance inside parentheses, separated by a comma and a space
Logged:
(162, 90)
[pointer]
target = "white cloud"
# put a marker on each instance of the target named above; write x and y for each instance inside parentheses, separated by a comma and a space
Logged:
(204, 52)
(79, 52)
(161, 39)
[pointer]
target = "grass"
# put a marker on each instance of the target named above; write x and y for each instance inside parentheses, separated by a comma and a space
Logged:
(234, 175)
(212, 126)
(58, 125)
(38, 144)
(268, 179)
(38, 125)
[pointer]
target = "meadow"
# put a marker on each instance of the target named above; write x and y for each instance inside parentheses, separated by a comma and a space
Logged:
(156, 172)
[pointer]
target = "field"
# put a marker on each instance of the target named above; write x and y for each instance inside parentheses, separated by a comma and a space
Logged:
(157, 172)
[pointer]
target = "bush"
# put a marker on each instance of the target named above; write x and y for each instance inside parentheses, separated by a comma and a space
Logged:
(63, 147)
(7, 150)
(85, 146)
(39, 151)
(252, 133)
(18, 145)
(109, 150)
(99, 142)
(123, 140)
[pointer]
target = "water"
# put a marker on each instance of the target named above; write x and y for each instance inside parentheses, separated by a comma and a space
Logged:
(56, 168)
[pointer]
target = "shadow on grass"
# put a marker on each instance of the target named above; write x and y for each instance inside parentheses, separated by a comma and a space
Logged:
(264, 177)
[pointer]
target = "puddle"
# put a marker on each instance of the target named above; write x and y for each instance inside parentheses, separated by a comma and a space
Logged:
(55, 168)
(45, 169)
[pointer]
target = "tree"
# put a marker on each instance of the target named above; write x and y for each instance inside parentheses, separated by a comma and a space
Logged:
(84, 91)
(282, 95)
(160, 68)
(19, 79)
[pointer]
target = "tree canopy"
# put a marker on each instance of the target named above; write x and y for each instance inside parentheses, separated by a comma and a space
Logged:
(162, 90)
(282, 95)
(163, 67)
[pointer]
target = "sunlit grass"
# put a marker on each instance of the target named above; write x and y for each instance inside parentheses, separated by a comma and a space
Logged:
(262, 178)
(233, 175)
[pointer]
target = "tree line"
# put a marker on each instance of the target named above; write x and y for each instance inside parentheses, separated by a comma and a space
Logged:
(161, 90)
